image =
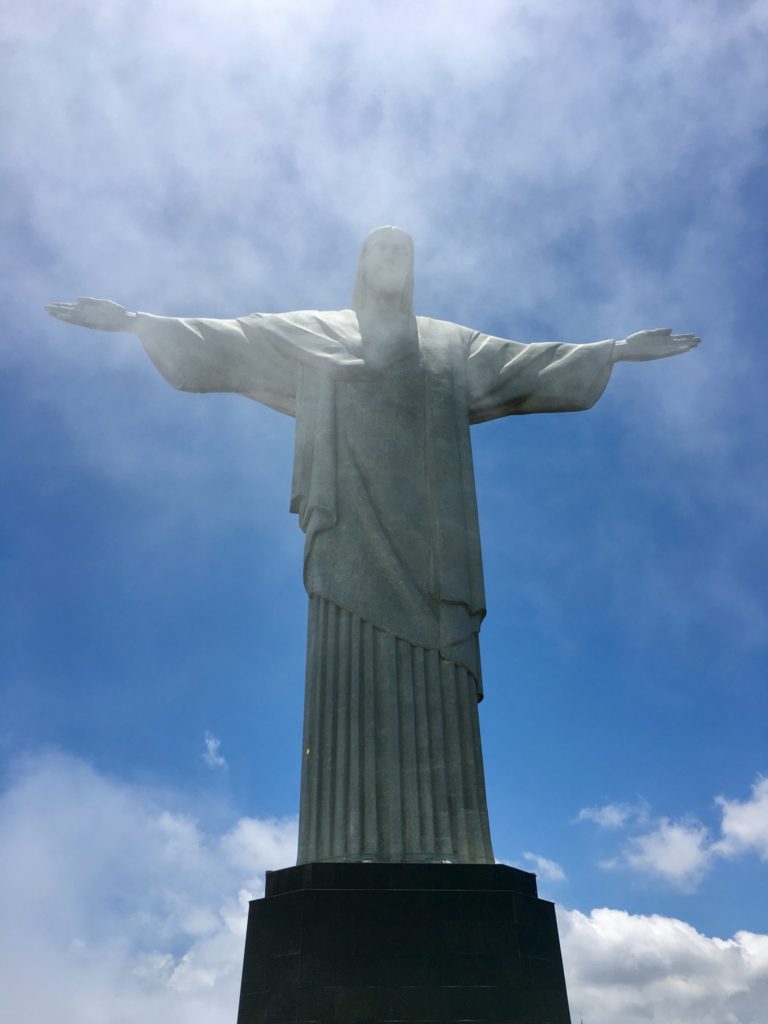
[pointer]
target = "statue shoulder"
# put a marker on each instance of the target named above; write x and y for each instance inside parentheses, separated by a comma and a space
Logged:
(333, 335)
(305, 317)
(332, 322)
(444, 332)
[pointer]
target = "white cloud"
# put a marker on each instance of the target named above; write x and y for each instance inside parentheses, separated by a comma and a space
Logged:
(635, 970)
(118, 910)
(745, 824)
(613, 816)
(498, 133)
(441, 117)
(211, 754)
(549, 870)
(682, 851)
(677, 851)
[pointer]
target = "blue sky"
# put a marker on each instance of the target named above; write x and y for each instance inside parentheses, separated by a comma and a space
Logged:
(569, 171)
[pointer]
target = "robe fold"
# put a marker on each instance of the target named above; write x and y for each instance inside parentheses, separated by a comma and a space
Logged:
(384, 490)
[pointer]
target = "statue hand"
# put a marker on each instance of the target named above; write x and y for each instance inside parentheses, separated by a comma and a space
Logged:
(99, 314)
(656, 344)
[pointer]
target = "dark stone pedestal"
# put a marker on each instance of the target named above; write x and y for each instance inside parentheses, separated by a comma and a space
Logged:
(365, 943)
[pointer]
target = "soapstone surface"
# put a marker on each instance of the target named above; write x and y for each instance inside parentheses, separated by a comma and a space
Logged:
(384, 491)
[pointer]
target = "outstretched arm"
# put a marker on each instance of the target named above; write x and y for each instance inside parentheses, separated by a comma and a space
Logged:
(509, 378)
(200, 354)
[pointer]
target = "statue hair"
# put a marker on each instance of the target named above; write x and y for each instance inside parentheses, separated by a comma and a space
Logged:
(360, 293)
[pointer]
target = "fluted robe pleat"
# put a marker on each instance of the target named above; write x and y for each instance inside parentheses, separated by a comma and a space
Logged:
(392, 767)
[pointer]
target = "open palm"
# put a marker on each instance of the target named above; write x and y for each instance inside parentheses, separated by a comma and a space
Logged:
(99, 314)
(657, 344)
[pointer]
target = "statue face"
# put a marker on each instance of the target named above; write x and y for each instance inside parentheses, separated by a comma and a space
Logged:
(387, 264)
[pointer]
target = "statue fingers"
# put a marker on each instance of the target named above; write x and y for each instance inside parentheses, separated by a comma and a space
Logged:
(685, 342)
(61, 310)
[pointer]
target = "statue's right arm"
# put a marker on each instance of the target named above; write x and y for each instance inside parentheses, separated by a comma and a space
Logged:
(163, 338)
(199, 354)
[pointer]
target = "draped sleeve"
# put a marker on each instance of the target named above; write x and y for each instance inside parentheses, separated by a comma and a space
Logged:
(507, 378)
(247, 356)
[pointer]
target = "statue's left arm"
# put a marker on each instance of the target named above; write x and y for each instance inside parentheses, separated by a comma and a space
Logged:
(509, 378)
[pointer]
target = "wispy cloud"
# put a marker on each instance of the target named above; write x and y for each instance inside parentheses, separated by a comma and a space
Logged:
(745, 823)
(549, 870)
(559, 119)
(555, 163)
(613, 816)
(211, 755)
(681, 852)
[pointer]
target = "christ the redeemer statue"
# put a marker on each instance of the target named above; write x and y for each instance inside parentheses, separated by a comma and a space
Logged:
(384, 489)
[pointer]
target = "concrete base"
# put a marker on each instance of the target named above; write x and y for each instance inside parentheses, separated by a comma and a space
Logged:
(371, 943)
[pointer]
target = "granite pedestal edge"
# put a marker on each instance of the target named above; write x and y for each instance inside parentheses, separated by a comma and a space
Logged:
(372, 943)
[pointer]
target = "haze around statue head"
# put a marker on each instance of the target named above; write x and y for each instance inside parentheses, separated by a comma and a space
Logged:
(385, 270)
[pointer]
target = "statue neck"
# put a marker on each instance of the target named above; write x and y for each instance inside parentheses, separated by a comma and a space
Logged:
(382, 306)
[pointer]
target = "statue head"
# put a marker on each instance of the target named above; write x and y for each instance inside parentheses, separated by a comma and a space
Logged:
(385, 268)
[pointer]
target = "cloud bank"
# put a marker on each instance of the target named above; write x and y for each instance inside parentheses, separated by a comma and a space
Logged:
(119, 910)
(681, 852)
(231, 153)
(637, 969)
(568, 171)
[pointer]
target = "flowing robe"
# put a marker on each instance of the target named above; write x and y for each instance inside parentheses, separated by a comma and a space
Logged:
(384, 489)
